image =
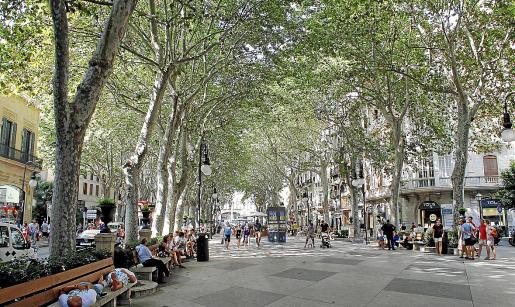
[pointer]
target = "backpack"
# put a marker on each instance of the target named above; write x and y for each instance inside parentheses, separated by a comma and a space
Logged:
(494, 232)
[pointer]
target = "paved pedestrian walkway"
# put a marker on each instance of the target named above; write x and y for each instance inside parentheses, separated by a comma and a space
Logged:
(346, 275)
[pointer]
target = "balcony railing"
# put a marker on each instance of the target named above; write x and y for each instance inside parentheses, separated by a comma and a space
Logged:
(473, 181)
(20, 156)
(416, 183)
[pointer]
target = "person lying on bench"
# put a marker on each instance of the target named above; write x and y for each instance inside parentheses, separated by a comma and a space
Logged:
(119, 278)
(83, 294)
(145, 257)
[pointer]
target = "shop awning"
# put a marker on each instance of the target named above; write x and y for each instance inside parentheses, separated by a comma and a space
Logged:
(429, 205)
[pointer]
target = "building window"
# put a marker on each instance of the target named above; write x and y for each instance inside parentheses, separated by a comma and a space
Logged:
(445, 166)
(96, 190)
(426, 172)
(28, 140)
(91, 176)
(490, 166)
(90, 189)
(85, 188)
(8, 133)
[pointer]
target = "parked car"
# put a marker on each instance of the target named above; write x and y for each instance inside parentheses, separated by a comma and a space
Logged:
(113, 226)
(87, 237)
(12, 243)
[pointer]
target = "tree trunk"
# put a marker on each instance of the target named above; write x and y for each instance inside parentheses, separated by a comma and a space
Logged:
(133, 166)
(325, 188)
(64, 201)
(131, 204)
(460, 158)
(72, 119)
(398, 143)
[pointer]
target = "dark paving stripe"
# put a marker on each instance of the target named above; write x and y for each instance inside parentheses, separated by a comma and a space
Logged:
(232, 266)
(238, 296)
(430, 288)
(303, 274)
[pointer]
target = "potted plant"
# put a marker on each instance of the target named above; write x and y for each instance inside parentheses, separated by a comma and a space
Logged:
(428, 240)
(452, 241)
(145, 211)
(106, 208)
(462, 211)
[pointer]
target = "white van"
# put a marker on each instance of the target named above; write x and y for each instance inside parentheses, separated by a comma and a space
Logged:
(12, 243)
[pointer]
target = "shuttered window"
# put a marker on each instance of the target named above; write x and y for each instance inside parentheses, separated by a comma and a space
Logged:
(490, 166)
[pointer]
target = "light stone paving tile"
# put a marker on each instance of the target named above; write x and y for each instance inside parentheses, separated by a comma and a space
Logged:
(356, 279)
(429, 288)
(290, 301)
(238, 296)
(387, 298)
(339, 294)
(158, 301)
(192, 290)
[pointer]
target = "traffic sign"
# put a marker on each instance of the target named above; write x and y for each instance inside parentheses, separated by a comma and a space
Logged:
(499, 209)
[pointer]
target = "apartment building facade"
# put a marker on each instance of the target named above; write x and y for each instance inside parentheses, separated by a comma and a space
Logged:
(426, 190)
(19, 163)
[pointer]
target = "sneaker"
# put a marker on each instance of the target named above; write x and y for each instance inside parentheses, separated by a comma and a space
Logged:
(487, 258)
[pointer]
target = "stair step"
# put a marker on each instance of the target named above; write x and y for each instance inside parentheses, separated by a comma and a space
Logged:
(143, 288)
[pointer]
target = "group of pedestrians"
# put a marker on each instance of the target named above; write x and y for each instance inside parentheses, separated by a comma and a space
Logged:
(242, 232)
(484, 235)
(33, 232)
(311, 233)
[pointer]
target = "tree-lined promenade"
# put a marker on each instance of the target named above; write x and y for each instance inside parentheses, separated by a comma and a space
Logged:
(130, 90)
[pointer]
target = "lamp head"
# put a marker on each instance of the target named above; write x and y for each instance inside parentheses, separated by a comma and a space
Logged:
(33, 182)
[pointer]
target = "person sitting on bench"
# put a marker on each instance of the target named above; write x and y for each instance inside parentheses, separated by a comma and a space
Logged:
(145, 257)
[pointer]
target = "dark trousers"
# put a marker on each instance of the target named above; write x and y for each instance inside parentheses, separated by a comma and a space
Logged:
(161, 268)
(389, 242)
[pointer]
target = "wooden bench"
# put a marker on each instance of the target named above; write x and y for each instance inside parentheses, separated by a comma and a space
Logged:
(42, 291)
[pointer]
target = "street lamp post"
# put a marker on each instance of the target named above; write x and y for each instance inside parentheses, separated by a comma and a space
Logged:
(507, 135)
(360, 182)
(478, 198)
(32, 184)
(204, 167)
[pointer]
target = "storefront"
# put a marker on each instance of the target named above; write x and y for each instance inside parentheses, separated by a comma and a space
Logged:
(428, 213)
(492, 210)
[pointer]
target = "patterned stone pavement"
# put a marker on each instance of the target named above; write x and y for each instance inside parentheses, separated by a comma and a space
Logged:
(346, 275)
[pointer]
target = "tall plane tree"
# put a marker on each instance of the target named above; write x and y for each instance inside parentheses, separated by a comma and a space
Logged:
(72, 117)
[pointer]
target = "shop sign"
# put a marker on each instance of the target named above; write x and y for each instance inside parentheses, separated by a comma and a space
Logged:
(447, 215)
(429, 205)
(490, 203)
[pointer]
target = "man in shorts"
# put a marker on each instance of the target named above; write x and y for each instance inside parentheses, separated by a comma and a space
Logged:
(257, 232)
(227, 235)
(437, 236)
(467, 231)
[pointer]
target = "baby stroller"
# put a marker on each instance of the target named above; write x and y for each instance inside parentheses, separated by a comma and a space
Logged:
(324, 237)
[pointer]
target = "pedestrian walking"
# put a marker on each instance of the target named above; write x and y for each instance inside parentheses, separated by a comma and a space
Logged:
(33, 231)
(388, 230)
(246, 235)
(468, 231)
(227, 235)
(483, 239)
(257, 232)
(491, 234)
(438, 236)
(44, 229)
(238, 236)
(380, 234)
(310, 235)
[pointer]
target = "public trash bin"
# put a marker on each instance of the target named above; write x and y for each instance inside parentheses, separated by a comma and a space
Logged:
(202, 247)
